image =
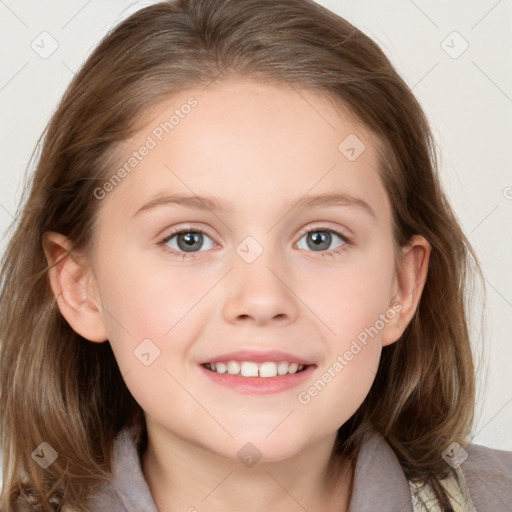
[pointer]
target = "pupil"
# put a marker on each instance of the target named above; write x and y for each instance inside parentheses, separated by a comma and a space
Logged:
(190, 240)
(321, 240)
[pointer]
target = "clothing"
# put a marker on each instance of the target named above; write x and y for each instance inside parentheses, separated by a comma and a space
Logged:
(379, 483)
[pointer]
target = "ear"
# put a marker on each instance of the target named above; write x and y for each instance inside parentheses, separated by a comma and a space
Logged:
(409, 284)
(74, 287)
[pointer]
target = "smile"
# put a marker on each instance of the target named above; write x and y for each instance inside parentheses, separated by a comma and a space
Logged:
(249, 377)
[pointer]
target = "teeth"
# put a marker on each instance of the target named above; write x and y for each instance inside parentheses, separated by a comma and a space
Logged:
(219, 367)
(282, 369)
(233, 368)
(268, 369)
(248, 369)
(251, 369)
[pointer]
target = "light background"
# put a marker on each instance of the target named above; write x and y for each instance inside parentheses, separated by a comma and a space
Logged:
(467, 98)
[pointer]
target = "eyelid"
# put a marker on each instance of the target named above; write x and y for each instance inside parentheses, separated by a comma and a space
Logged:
(324, 227)
(185, 228)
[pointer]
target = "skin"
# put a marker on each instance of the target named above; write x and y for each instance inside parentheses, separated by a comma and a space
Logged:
(258, 147)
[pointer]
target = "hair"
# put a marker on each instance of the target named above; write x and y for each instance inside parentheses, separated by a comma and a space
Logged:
(59, 388)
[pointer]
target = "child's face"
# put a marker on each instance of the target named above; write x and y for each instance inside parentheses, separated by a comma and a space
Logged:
(258, 150)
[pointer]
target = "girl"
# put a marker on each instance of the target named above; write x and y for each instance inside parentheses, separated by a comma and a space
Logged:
(237, 283)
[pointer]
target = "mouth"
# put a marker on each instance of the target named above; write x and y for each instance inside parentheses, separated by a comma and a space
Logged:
(257, 378)
(266, 369)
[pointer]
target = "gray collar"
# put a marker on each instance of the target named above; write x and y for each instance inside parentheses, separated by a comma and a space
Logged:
(379, 482)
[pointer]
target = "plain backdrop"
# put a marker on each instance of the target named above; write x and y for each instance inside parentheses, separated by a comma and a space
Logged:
(456, 56)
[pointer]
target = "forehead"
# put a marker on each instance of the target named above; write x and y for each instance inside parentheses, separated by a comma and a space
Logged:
(249, 143)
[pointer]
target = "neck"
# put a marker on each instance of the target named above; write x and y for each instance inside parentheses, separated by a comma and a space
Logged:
(186, 477)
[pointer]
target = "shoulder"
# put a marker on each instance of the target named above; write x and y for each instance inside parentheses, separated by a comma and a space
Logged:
(488, 475)
(480, 480)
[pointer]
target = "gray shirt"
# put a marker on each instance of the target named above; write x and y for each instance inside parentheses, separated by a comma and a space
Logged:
(379, 482)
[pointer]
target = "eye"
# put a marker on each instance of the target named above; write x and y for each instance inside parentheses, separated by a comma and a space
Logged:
(187, 241)
(320, 239)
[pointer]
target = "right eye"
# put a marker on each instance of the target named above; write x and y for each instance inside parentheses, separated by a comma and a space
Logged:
(187, 241)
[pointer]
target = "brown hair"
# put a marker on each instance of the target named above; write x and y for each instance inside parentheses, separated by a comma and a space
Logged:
(59, 388)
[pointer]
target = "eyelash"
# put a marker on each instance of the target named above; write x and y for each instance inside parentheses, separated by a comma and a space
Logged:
(330, 254)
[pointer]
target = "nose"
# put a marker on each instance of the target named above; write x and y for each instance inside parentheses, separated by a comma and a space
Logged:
(260, 292)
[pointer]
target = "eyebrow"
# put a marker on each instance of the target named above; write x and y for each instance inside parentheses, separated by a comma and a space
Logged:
(216, 205)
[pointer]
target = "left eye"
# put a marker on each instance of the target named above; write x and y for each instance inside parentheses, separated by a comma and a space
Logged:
(187, 241)
(321, 239)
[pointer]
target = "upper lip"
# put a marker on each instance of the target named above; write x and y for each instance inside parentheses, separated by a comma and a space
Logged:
(258, 357)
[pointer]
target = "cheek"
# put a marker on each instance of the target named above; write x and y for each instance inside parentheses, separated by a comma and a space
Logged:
(147, 302)
(351, 300)
(351, 310)
(354, 306)
(151, 322)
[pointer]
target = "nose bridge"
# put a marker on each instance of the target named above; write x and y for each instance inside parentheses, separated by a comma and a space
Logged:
(258, 289)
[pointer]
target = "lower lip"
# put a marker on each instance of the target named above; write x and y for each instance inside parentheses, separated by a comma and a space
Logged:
(259, 385)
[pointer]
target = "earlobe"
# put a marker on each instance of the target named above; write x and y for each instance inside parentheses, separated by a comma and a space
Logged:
(410, 283)
(73, 285)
